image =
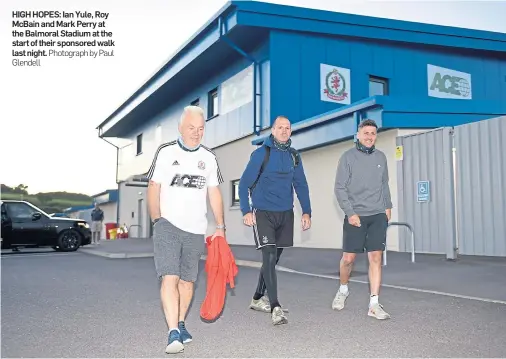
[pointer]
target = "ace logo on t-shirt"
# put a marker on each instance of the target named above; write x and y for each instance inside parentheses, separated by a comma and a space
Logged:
(188, 181)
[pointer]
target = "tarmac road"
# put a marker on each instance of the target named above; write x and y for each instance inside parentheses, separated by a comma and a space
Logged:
(78, 305)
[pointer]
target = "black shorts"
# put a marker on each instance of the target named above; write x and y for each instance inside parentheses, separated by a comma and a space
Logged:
(370, 236)
(273, 229)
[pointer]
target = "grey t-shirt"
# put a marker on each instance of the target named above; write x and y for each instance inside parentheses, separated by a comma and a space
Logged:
(361, 185)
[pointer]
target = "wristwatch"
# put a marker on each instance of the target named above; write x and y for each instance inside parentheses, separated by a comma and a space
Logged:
(221, 226)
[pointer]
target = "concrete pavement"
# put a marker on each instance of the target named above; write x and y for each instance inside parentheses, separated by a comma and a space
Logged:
(76, 305)
(481, 278)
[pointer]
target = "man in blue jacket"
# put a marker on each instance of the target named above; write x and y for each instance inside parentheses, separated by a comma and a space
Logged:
(266, 199)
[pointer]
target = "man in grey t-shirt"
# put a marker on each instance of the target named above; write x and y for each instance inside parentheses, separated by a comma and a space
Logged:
(362, 191)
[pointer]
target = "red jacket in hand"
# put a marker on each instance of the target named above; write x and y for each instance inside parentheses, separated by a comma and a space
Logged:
(221, 269)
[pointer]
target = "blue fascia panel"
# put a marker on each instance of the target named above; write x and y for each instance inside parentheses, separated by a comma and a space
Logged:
(431, 120)
(388, 112)
(208, 71)
(343, 116)
(77, 208)
(113, 195)
(444, 106)
(366, 21)
(280, 22)
(109, 196)
(169, 70)
(323, 135)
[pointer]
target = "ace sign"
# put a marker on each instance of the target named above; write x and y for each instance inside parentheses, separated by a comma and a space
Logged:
(447, 83)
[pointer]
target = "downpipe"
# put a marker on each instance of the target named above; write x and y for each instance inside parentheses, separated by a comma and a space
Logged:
(455, 191)
(257, 72)
(117, 172)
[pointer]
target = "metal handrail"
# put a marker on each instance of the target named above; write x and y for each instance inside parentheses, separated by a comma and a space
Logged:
(134, 225)
(408, 226)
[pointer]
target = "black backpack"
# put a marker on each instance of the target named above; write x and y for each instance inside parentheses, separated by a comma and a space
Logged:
(295, 156)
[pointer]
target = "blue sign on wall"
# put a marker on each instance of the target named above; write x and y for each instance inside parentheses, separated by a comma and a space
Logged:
(422, 191)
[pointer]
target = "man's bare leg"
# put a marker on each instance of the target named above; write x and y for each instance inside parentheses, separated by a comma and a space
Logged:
(170, 300)
(375, 309)
(375, 259)
(345, 268)
(185, 298)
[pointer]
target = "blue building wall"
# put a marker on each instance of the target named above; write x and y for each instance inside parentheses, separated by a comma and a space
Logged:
(295, 71)
(220, 130)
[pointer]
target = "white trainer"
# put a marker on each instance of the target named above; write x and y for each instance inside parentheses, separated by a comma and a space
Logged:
(339, 300)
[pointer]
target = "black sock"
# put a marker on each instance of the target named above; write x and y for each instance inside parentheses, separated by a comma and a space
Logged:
(257, 296)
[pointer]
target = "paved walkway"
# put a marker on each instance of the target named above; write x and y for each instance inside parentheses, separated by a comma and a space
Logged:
(469, 277)
(74, 305)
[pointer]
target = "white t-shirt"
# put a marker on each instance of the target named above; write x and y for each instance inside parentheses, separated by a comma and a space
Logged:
(184, 176)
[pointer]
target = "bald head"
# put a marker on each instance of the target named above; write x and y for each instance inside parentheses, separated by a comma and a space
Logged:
(282, 129)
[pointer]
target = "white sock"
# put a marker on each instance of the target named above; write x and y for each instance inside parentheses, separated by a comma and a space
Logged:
(171, 329)
(373, 300)
(343, 288)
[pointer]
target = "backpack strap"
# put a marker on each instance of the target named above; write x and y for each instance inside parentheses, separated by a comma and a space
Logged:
(262, 168)
(296, 156)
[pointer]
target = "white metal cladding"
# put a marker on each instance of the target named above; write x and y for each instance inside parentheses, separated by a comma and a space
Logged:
(466, 169)
(427, 156)
(481, 187)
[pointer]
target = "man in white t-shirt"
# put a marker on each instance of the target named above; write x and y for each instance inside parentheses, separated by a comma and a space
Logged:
(183, 173)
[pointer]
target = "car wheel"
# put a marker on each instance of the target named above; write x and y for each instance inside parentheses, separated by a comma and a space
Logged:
(69, 241)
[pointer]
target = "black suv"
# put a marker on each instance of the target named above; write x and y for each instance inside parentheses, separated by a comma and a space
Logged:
(24, 225)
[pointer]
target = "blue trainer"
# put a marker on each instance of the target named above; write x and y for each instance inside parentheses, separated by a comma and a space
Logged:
(175, 344)
(185, 335)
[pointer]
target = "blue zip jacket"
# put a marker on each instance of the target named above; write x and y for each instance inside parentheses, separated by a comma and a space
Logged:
(274, 189)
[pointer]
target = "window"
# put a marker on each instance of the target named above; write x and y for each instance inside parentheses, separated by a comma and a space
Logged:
(237, 91)
(139, 144)
(195, 102)
(4, 213)
(235, 193)
(21, 211)
(378, 86)
(213, 104)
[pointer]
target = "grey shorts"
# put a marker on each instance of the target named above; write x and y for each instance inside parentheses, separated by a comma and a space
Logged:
(96, 226)
(177, 252)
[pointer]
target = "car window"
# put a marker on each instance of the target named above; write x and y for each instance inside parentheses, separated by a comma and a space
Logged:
(20, 211)
(4, 213)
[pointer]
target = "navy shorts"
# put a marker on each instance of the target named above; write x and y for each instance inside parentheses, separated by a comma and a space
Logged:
(273, 228)
(369, 237)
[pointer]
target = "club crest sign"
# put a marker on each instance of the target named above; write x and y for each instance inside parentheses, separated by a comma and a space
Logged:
(335, 84)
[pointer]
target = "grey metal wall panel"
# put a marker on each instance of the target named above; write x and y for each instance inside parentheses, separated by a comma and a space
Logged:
(481, 187)
(427, 157)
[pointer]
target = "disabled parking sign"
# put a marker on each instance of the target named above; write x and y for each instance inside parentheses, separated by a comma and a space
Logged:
(423, 191)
